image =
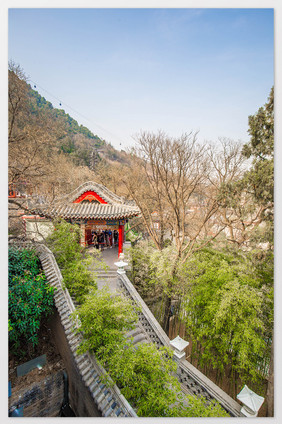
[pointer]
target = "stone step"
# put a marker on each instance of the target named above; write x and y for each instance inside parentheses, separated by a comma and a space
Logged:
(133, 332)
(139, 338)
(106, 276)
(111, 271)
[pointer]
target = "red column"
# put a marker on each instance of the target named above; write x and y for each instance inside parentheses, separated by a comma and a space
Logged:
(120, 239)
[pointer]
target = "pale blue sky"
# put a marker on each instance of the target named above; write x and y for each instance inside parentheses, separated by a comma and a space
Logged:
(127, 70)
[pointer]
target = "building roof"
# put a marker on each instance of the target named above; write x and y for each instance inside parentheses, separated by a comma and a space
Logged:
(90, 201)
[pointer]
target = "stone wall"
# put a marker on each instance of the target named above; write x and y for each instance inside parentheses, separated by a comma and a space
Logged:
(37, 229)
(80, 399)
(41, 399)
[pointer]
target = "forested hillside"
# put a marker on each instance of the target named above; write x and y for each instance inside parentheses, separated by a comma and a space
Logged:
(78, 142)
(47, 147)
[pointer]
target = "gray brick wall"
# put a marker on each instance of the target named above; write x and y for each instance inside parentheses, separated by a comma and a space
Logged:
(41, 399)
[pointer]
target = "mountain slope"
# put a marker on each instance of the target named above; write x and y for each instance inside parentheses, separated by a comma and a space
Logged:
(78, 142)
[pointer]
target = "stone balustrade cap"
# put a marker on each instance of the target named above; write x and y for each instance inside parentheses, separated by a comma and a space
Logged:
(179, 344)
(120, 264)
(250, 399)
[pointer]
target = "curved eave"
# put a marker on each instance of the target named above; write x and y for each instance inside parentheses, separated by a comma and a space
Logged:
(90, 211)
(98, 217)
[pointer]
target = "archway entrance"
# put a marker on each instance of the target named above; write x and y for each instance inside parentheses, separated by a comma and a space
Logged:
(104, 234)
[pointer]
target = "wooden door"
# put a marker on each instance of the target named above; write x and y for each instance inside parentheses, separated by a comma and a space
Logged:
(88, 236)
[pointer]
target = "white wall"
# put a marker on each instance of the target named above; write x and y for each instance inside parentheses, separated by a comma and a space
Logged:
(38, 230)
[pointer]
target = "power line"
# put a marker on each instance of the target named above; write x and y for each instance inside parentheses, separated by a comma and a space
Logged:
(75, 111)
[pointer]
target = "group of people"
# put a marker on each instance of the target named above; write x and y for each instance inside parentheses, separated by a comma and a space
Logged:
(106, 238)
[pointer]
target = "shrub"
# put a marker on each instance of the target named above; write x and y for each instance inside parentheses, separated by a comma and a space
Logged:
(73, 259)
(64, 243)
(144, 373)
(21, 260)
(78, 280)
(105, 318)
(30, 299)
(226, 312)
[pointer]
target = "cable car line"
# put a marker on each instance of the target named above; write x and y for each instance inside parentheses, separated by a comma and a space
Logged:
(80, 114)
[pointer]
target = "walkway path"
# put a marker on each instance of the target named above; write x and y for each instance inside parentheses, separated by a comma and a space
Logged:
(110, 256)
(108, 278)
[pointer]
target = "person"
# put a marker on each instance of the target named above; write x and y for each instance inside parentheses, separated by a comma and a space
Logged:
(107, 238)
(115, 237)
(110, 238)
(95, 240)
(101, 239)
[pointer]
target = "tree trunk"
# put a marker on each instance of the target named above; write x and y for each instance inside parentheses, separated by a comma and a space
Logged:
(168, 298)
(166, 318)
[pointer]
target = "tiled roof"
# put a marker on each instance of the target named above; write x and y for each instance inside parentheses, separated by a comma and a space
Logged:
(89, 211)
(116, 207)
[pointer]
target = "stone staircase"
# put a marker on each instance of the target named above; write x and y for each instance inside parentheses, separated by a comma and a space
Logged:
(138, 335)
(109, 273)
(108, 398)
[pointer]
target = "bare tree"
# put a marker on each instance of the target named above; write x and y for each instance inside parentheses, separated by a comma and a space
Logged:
(33, 134)
(236, 208)
(34, 156)
(110, 173)
(170, 177)
(175, 174)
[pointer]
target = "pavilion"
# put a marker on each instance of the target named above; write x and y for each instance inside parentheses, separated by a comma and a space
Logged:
(93, 207)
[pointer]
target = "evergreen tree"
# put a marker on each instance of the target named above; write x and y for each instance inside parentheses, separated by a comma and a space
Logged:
(260, 178)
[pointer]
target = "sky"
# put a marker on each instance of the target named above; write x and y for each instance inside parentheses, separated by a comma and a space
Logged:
(120, 71)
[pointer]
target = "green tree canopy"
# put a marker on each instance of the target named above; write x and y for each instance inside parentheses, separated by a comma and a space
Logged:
(228, 309)
(260, 178)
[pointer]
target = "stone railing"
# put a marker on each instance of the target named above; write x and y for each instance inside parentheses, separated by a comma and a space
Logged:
(192, 380)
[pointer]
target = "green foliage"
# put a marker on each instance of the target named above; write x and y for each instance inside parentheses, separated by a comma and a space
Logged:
(73, 260)
(198, 407)
(78, 279)
(146, 377)
(75, 140)
(71, 123)
(143, 274)
(166, 267)
(144, 373)
(22, 260)
(155, 269)
(260, 178)
(261, 130)
(226, 302)
(104, 321)
(225, 310)
(64, 243)
(30, 298)
(158, 277)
